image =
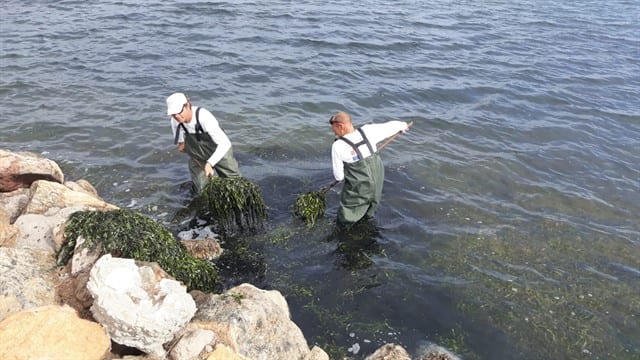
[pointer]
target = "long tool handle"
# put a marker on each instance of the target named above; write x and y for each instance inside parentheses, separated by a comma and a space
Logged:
(385, 143)
(329, 187)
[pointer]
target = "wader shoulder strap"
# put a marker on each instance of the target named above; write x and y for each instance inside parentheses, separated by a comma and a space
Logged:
(180, 126)
(355, 146)
(199, 129)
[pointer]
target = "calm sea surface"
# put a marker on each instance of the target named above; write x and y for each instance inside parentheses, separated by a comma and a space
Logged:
(510, 222)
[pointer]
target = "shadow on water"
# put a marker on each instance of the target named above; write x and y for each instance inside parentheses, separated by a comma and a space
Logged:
(356, 246)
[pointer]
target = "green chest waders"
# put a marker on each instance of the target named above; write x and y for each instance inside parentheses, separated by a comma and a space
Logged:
(200, 147)
(362, 188)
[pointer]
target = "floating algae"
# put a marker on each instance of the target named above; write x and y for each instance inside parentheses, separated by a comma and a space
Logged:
(235, 203)
(310, 206)
(534, 282)
(242, 261)
(128, 234)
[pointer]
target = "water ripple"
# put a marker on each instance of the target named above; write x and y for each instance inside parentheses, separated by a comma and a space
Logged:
(526, 114)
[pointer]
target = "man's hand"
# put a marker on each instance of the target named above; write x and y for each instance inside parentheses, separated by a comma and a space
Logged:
(181, 147)
(208, 169)
(409, 124)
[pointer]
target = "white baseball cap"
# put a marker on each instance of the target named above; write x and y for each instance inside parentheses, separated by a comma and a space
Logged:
(175, 102)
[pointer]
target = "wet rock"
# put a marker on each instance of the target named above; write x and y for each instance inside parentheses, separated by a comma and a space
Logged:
(389, 352)
(437, 352)
(206, 249)
(21, 169)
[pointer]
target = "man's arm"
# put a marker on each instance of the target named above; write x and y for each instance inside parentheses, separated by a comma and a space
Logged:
(212, 127)
(378, 132)
(337, 164)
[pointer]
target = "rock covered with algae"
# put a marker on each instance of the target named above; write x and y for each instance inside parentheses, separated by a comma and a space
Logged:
(129, 234)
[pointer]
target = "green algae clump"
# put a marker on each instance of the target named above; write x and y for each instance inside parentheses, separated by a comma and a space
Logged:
(310, 207)
(128, 234)
(235, 203)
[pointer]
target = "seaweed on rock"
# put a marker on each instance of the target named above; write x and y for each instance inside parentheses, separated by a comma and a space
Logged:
(128, 234)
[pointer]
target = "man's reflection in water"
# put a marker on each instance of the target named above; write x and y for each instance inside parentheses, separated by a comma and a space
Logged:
(357, 244)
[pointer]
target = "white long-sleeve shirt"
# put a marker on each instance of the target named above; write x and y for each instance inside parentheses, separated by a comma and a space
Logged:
(211, 126)
(341, 152)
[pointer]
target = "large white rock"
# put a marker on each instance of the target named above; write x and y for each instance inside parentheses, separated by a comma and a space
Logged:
(137, 306)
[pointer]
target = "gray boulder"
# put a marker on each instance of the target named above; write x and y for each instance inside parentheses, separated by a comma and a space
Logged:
(255, 323)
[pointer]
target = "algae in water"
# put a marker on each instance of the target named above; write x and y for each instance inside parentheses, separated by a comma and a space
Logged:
(310, 207)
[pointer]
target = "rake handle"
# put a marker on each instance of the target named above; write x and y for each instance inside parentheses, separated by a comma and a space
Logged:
(386, 142)
(326, 189)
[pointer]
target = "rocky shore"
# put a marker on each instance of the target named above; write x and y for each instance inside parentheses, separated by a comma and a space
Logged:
(100, 306)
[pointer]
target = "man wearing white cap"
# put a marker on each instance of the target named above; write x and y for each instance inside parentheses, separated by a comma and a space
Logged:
(201, 137)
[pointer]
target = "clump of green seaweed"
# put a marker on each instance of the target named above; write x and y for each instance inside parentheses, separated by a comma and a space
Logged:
(128, 234)
(310, 207)
(234, 203)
